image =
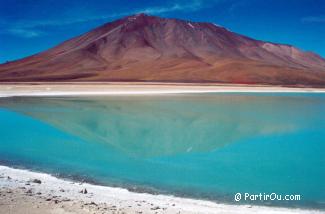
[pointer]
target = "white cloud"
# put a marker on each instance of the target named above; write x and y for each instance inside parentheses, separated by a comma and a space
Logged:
(315, 19)
(192, 6)
(30, 28)
(25, 33)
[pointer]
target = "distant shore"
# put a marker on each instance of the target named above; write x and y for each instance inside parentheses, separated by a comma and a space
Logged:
(132, 88)
(24, 191)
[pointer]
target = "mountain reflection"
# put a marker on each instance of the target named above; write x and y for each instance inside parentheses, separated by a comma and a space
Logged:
(158, 126)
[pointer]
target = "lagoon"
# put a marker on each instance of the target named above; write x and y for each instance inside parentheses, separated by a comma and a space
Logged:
(208, 146)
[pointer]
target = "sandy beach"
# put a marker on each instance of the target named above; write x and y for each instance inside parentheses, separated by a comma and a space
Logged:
(89, 89)
(23, 191)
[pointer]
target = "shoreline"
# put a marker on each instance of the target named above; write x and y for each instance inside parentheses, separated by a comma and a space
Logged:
(90, 89)
(44, 193)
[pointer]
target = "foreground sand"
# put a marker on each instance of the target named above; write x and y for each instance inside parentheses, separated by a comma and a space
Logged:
(22, 192)
(72, 89)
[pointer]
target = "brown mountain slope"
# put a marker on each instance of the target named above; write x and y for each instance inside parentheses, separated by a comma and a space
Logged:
(149, 48)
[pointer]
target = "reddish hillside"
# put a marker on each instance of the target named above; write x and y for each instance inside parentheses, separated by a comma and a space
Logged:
(149, 48)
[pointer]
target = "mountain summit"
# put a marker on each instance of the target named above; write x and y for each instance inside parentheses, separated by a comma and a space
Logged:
(154, 49)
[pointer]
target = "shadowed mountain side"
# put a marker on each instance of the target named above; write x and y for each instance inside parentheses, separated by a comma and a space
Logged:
(206, 122)
(149, 48)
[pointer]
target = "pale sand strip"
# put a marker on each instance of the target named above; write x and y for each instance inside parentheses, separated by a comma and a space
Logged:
(19, 194)
(73, 89)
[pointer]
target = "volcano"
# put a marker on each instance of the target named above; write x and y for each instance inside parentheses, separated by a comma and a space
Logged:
(144, 48)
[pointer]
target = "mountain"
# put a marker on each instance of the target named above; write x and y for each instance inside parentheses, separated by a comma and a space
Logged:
(153, 49)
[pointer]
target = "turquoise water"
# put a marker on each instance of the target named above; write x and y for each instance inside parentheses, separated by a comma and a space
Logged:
(202, 146)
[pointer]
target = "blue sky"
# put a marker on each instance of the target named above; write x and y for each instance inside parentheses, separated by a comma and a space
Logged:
(31, 26)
